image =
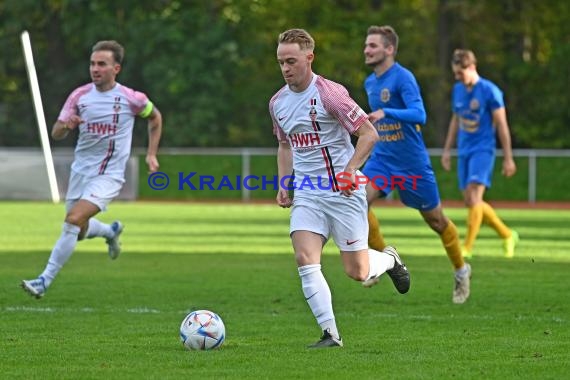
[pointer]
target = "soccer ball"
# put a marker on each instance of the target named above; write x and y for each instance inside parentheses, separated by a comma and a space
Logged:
(202, 330)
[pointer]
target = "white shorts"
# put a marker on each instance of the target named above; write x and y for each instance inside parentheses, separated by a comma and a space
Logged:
(99, 190)
(345, 218)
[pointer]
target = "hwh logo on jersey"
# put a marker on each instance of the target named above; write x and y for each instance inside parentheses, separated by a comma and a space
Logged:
(304, 139)
(102, 129)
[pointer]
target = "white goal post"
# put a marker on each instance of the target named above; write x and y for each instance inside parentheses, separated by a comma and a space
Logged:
(40, 117)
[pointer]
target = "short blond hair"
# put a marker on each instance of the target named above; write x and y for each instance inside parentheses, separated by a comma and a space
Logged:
(297, 36)
(463, 58)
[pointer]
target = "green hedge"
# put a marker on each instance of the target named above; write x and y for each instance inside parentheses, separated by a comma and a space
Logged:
(552, 179)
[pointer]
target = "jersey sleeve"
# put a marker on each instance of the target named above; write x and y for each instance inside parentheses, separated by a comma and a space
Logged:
(340, 105)
(138, 102)
(495, 97)
(70, 106)
(454, 92)
(277, 131)
(414, 111)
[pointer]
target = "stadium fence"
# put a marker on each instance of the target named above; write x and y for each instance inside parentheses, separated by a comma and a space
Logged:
(23, 172)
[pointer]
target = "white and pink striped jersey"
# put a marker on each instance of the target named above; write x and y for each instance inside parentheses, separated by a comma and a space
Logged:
(105, 136)
(317, 123)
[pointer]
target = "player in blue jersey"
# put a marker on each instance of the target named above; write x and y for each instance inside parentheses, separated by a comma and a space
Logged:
(400, 159)
(478, 115)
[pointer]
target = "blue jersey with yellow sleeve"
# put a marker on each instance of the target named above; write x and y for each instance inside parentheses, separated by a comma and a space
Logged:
(474, 110)
(396, 92)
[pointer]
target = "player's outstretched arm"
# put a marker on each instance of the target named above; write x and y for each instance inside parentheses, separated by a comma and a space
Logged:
(284, 168)
(154, 133)
(367, 137)
(449, 142)
(500, 121)
(61, 128)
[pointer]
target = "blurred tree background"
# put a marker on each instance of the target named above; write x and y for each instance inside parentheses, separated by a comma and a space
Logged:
(210, 65)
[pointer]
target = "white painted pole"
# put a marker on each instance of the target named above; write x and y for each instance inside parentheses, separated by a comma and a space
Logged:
(40, 117)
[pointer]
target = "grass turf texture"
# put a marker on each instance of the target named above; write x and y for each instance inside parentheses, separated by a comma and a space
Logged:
(120, 320)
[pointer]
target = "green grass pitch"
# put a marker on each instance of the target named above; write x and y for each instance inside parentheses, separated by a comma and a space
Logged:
(120, 319)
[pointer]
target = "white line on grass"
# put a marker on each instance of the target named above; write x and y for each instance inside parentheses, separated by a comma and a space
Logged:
(31, 309)
(148, 310)
(143, 310)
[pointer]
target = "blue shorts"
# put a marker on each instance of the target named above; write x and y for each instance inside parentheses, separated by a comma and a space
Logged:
(476, 167)
(417, 187)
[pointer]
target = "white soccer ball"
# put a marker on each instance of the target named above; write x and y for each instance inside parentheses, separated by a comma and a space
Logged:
(202, 330)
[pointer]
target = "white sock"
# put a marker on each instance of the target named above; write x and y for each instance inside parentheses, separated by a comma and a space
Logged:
(318, 296)
(380, 262)
(461, 272)
(96, 228)
(61, 252)
(330, 325)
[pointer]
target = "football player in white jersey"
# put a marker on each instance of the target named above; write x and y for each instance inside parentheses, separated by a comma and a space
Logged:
(103, 112)
(313, 119)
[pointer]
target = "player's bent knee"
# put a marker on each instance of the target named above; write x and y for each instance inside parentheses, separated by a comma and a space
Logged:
(358, 274)
(305, 259)
(438, 225)
(76, 220)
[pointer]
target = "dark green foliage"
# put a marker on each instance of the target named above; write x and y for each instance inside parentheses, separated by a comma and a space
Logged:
(210, 65)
